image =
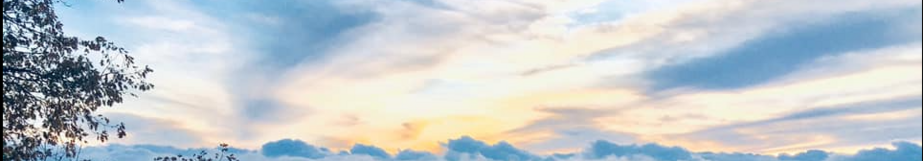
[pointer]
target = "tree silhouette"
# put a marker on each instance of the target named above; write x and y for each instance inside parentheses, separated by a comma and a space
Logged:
(53, 83)
(203, 156)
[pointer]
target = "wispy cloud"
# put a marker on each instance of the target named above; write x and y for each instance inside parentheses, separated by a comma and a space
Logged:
(558, 73)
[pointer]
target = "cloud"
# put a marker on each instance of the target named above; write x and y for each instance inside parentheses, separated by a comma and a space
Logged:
(710, 156)
(810, 155)
(303, 32)
(505, 151)
(831, 127)
(122, 152)
(294, 148)
(603, 149)
(469, 149)
(191, 51)
(414, 155)
(466, 144)
(904, 152)
(781, 52)
(362, 149)
(830, 86)
(452, 67)
(482, 63)
(567, 129)
(141, 129)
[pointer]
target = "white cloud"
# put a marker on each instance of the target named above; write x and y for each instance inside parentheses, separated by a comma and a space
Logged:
(482, 57)
(476, 51)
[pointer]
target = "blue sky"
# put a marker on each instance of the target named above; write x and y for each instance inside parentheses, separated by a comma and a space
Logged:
(527, 79)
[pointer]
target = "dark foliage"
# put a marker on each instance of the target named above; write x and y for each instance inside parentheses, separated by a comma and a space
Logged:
(53, 84)
(203, 156)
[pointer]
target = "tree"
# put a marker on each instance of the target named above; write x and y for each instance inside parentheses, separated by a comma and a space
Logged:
(54, 83)
(203, 156)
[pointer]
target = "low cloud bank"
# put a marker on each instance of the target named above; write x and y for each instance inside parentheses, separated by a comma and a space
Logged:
(470, 149)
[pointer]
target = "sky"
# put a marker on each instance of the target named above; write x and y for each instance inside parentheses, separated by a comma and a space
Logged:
(520, 78)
